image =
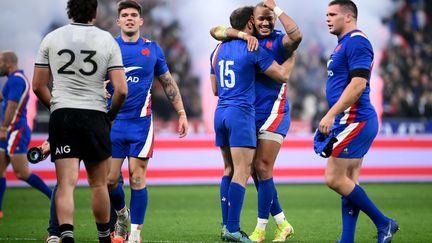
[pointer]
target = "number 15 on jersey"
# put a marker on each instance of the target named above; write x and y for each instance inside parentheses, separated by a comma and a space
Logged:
(225, 71)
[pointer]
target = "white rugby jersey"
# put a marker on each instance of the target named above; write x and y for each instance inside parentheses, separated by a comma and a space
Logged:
(79, 56)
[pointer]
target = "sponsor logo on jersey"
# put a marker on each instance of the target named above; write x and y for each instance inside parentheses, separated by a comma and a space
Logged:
(63, 150)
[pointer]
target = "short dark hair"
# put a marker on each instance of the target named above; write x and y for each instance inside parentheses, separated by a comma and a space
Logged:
(347, 5)
(128, 4)
(240, 17)
(82, 11)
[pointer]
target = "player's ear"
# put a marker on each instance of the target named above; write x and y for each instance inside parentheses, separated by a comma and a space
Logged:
(118, 22)
(141, 22)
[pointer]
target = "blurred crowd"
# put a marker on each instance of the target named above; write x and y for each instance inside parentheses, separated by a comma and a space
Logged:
(406, 65)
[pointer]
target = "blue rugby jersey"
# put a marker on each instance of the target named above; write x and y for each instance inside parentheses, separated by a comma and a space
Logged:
(17, 89)
(271, 95)
(354, 51)
(143, 60)
(235, 68)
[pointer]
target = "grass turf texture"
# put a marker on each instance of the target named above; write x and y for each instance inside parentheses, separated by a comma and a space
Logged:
(192, 213)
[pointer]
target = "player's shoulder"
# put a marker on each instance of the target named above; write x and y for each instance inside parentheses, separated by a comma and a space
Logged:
(358, 36)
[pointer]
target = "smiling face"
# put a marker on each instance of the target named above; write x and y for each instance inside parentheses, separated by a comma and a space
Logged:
(264, 21)
(129, 21)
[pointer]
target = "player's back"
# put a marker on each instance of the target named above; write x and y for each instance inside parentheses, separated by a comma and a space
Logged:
(235, 68)
(79, 57)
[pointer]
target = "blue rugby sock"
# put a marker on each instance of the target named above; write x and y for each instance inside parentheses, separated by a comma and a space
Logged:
(36, 182)
(275, 206)
(265, 196)
(350, 215)
(236, 195)
(224, 187)
(117, 197)
(138, 205)
(53, 227)
(2, 190)
(359, 198)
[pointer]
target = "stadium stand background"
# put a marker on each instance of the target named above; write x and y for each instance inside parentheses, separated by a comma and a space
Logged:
(404, 67)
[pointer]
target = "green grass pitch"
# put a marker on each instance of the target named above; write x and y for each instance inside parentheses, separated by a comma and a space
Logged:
(192, 213)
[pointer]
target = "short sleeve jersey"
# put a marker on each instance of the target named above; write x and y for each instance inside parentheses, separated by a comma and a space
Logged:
(271, 95)
(143, 60)
(354, 51)
(235, 68)
(79, 56)
(17, 89)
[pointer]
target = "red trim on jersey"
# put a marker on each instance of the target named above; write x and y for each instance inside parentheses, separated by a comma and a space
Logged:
(16, 141)
(150, 153)
(148, 112)
(215, 57)
(352, 113)
(338, 149)
(281, 113)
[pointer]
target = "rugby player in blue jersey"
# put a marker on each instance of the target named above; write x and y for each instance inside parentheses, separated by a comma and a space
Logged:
(132, 132)
(272, 112)
(14, 131)
(352, 119)
(233, 70)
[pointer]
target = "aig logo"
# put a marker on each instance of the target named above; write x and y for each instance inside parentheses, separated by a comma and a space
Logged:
(63, 150)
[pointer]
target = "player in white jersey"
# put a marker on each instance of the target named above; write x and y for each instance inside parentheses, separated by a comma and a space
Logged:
(78, 56)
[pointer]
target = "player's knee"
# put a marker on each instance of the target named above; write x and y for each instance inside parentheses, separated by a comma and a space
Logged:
(263, 170)
(112, 183)
(332, 181)
(137, 181)
(22, 175)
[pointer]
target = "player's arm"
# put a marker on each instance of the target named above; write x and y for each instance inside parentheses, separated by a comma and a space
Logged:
(349, 96)
(293, 36)
(118, 80)
(224, 33)
(281, 73)
(213, 80)
(41, 79)
(11, 109)
(173, 94)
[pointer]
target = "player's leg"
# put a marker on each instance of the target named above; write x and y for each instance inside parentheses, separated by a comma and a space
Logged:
(224, 185)
(242, 160)
(139, 195)
(20, 166)
(53, 227)
(4, 162)
(350, 212)
(118, 202)
(67, 171)
(120, 150)
(18, 141)
(97, 177)
(140, 137)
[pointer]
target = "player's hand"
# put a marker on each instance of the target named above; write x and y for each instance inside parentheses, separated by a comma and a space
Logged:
(45, 147)
(271, 4)
(252, 42)
(183, 126)
(3, 133)
(107, 94)
(326, 123)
